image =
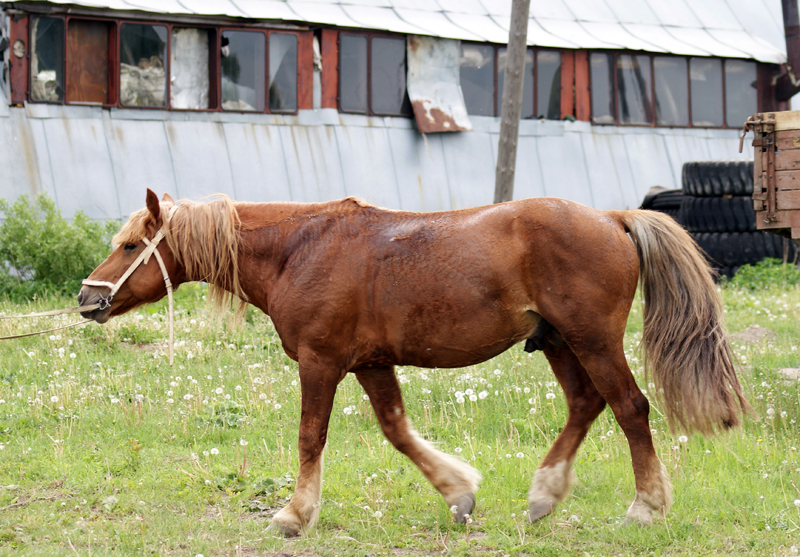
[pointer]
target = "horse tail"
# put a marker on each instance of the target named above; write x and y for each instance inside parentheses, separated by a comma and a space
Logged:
(686, 348)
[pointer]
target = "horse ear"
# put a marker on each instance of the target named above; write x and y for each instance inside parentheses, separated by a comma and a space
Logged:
(168, 197)
(153, 206)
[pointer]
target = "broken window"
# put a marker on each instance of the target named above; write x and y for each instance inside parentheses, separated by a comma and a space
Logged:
(353, 73)
(634, 89)
(477, 78)
(672, 91)
(527, 87)
(741, 88)
(548, 84)
(87, 61)
(142, 78)
(47, 59)
(705, 77)
(601, 66)
(282, 72)
(387, 80)
(244, 59)
(189, 79)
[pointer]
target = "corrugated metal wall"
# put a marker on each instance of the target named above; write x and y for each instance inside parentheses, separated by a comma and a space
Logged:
(101, 161)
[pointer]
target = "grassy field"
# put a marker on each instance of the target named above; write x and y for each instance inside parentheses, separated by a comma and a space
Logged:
(107, 450)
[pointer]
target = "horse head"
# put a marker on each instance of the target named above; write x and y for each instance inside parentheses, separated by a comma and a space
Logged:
(131, 275)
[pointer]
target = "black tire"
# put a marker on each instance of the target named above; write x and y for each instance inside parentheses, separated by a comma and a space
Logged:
(717, 178)
(733, 249)
(718, 214)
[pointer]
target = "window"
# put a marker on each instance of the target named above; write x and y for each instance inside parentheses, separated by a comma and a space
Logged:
(482, 70)
(527, 82)
(87, 61)
(656, 90)
(47, 59)
(672, 91)
(372, 75)
(282, 72)
(705, 78)
(602, 82)
(634, 89)
(142, 78)
(188, 70)
(244, 71)
(741, 100)
(477, 78)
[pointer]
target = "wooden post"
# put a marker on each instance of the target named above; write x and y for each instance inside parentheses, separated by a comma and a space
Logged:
(512, 101)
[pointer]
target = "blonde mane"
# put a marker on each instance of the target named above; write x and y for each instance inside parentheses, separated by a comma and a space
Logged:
(203, 236)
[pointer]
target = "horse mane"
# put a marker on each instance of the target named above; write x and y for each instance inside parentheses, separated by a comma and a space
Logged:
(204, 238)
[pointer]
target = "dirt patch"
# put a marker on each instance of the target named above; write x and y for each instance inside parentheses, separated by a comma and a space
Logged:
(753, 334)
(790, 373)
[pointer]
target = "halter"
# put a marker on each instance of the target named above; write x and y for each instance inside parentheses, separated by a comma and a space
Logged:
(105, 301)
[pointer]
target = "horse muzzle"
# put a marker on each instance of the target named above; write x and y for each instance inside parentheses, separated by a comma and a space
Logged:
(90, 295)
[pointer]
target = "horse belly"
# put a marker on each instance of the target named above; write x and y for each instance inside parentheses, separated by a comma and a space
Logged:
(466, 338)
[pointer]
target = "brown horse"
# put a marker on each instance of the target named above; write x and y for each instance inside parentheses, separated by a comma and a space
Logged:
(353, 288)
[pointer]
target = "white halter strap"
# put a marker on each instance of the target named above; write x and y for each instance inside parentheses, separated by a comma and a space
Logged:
(144, 257)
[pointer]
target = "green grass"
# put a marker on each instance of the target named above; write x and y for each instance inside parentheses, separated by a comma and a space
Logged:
(107, 450)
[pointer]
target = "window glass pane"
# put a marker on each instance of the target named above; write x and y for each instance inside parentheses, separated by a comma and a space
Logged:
(244, 70)
(740, 92)
(527, 87)
(477, 78)
(282, 72)
(388, 76)
(705, 80)
(188, 68)
(601, 67)
(634, 90)
(87, 61)
(353, 73)
(142, 79)
(548, 84)
(672, 91)
(47, 59)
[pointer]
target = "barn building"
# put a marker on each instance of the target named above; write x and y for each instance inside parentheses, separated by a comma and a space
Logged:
(393, 101)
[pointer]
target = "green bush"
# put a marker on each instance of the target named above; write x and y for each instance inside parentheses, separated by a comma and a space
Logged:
(41, 252)
(766, 274)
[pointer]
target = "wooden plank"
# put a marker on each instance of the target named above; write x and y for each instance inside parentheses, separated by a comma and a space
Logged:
(789, 120)
(330, 68)
(787, 140)
(583, 100)
(567, 83)
(788, 180)
(788, 200)
(786, 220)
(87, 61)
(787, 160)
(18, 72)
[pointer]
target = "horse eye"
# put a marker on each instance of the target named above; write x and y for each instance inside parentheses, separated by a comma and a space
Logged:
(130, 247)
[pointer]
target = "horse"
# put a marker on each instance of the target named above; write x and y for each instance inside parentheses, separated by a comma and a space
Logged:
(354, 288)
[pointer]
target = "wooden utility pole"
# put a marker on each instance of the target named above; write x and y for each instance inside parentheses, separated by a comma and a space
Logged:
(512, 101)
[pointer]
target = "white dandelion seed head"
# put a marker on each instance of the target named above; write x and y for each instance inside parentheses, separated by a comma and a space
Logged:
(214, 451)
(550, 396)
(683, 439)
(482, 395)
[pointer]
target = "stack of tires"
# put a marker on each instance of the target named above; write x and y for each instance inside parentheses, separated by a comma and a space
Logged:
(717, 209)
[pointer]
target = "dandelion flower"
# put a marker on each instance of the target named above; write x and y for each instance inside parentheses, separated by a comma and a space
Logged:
(242, 442)
(797, 503)
(458, 450)
(550, 396)
(214, 451)
(482, 395)
(520, 454)
(683, 439)
(54, 398)
(377, 514)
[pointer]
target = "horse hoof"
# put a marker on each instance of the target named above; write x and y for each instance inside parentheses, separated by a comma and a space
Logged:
(539, 510)
(464, 507)
(285, 530)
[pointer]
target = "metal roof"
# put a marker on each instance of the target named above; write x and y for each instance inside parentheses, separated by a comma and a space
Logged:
(730, 28)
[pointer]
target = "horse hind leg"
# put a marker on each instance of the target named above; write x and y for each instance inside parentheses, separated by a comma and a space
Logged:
(611, 375)
(456, 480)
(554, 477)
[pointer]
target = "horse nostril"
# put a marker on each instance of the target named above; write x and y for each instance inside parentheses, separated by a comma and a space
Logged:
(80, 298)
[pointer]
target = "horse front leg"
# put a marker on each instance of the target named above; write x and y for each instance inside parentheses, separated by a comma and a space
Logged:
(317, 387)
(456, 480)
(554, 477)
